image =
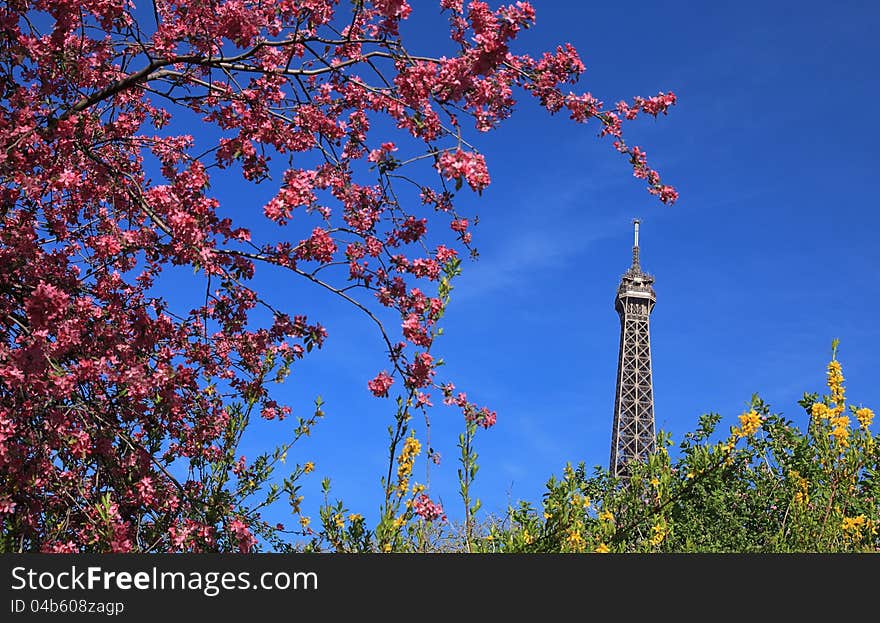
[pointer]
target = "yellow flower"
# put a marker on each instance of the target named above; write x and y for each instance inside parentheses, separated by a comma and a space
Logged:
(602, 549)
(398, 522)
(841, 430)
(411, 449)
(659, 533)
(819, 410)
(339, 520)
(840, 421)
(308, 467)
(853, 524)
(386, 548)
(586, 502)
(546, 515)
(865, 416)
(575, 540)
(304, 521)
(655, 482)
(690, 475)
(527, 537)
(606, 515)
(355, 517)
(802, 495)
(749, 424)
(835, 382)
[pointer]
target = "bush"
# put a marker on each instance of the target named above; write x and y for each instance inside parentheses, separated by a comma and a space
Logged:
(767, 486)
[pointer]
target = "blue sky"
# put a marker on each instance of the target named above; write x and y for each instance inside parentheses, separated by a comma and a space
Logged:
(769, 254)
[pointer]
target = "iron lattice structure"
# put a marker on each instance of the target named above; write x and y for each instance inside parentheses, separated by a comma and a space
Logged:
(632, 438)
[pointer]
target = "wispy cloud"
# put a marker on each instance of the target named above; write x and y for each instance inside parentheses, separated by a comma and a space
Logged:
(532, 240)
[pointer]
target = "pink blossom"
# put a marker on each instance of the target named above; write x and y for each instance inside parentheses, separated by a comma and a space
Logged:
(667, 194)
(658, 104)
(59, 547)
(428, 510)
(380, 385)
(146, 491)
(319, 247)
(6, 505)
(382, 154)
(397, 9)
(414, 331)
(420, 371)
(465, 166)
(245, 540)
(486, 418)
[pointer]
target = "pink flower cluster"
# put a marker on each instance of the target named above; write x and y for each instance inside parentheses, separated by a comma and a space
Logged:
(396, 9)
(191, 536)
(242, 534)
(415, 332)
(660, 103)
(383, 153)
(482, 416)
(420, 371)
(467, 166)
(428, 510)
(381, 384)
(319, 247)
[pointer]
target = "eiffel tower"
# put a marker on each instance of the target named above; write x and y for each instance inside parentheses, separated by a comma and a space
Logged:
(632, 438)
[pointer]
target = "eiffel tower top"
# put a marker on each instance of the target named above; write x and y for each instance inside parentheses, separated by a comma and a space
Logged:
(634, 281)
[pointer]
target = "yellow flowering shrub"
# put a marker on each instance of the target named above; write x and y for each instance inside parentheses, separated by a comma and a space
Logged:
(769, 486)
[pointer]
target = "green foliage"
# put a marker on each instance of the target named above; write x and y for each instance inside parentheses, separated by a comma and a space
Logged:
(766, 487)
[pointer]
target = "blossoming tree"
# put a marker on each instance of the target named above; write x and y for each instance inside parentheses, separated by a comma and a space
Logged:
(119, 414)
